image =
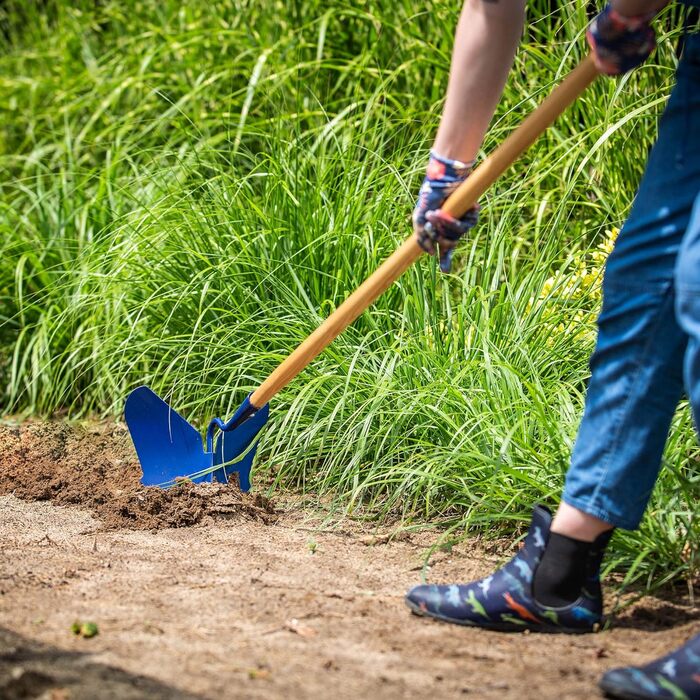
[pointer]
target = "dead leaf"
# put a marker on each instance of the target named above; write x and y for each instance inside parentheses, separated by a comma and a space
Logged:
(295, 626)
(57, 694)
(259, 673)
(373, 540)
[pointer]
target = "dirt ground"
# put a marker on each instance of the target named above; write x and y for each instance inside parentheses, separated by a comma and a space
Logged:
(203, 593)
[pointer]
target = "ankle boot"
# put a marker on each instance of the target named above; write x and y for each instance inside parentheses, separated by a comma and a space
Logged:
(676, 675)
(504, 600)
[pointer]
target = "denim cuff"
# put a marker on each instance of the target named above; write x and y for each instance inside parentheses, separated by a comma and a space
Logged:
(624, 523)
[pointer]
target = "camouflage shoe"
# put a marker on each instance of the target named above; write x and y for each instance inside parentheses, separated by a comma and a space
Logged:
(676, 676)
(504, 600)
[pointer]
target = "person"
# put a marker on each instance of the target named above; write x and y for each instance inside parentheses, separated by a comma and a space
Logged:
(647, 349)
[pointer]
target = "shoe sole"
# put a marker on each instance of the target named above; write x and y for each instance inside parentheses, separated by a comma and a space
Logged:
(612, 691)
(497, 626)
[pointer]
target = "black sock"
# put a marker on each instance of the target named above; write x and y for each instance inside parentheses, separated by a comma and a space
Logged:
(564, 568)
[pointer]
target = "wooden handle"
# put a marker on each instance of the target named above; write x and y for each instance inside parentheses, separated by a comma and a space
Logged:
(385, 275)
(457, 204)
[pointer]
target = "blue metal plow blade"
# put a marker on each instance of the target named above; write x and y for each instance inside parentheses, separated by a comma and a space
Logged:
(169, 448)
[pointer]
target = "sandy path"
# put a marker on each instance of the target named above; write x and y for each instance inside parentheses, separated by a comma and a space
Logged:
(241, 609)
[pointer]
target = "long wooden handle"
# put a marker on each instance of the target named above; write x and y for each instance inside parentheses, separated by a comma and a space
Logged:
(461, 200)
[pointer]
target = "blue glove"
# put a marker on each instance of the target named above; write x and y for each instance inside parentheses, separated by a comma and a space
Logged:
(434, 228)
(619, 43)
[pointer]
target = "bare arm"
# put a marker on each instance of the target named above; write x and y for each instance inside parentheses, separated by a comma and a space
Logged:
(487, 37)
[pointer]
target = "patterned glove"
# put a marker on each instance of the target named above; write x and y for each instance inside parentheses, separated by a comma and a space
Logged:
(434, 227)
(620, 43)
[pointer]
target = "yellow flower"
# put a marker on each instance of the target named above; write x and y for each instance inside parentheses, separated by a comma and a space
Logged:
(581, 282)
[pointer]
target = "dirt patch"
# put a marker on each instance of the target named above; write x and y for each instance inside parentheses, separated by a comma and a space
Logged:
(297, 609)
(95, 466)
(241, 607)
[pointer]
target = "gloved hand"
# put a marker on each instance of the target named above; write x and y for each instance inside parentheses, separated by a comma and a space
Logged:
(434, 227)
(619, 43)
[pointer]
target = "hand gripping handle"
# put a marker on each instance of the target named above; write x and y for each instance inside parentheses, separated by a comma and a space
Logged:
(459, 202)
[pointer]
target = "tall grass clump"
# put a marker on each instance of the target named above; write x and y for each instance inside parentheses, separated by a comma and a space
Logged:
(187, 189)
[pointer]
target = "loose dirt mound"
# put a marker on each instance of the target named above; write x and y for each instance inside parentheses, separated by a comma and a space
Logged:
(95, 467)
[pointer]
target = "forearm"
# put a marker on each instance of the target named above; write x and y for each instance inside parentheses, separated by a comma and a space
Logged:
(487, 37)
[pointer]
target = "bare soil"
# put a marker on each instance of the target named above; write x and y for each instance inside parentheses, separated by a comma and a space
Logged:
(202, 592)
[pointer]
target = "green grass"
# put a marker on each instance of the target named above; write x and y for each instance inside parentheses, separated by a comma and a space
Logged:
(189, 188)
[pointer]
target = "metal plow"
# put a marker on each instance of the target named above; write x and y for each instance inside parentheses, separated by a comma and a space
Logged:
(169, 448)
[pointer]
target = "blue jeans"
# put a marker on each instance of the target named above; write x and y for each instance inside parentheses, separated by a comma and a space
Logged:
(648, 347)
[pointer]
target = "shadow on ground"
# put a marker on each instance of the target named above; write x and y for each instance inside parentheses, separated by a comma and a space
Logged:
(655, 617)
(29, 669)
(670, 606)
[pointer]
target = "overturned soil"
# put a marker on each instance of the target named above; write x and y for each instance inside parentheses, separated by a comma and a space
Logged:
(95, 466)
(200, 592)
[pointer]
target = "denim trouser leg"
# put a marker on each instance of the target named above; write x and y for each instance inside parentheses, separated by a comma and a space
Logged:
(688, 306)
(637, 367)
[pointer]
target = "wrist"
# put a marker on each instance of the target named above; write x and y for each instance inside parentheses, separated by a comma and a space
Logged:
(638, 9)
(441, 167)
(628, 22)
